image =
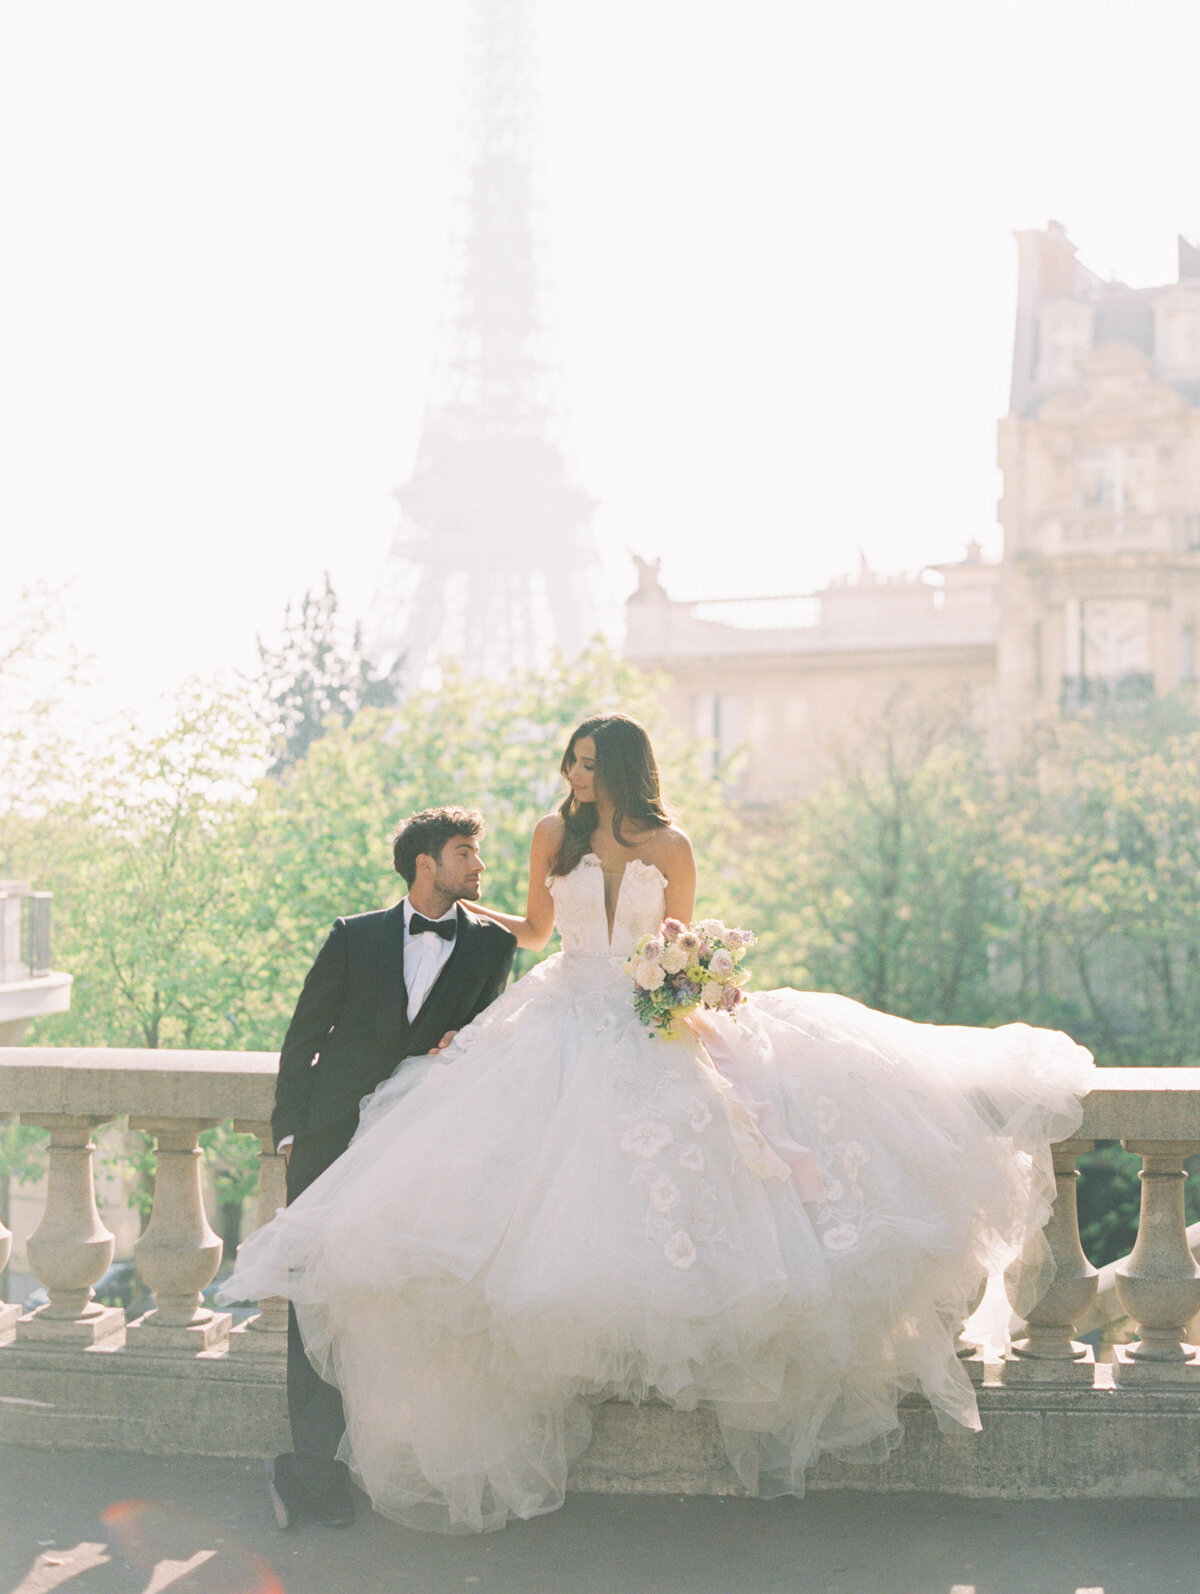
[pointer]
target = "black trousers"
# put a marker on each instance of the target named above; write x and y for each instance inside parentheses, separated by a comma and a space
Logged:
(314, 1407)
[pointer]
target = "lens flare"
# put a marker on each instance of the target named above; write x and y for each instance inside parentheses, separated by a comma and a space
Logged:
(170, 1544)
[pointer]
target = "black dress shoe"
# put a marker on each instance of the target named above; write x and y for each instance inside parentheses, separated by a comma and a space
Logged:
(320, 1487)
(287, 1496)
(334, 1507)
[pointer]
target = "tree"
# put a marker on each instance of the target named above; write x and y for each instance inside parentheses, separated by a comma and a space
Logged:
(152, 867)
(491, 745)
(40, 736)
(1105, 867)
(315, 677)
(888, 885)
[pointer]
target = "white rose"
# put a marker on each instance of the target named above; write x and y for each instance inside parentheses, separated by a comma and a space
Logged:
(649, 976)
(675, 959)
(721, 965)
(712, 992)
(710, 928)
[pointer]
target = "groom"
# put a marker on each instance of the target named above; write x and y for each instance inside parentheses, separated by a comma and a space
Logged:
(385, 986)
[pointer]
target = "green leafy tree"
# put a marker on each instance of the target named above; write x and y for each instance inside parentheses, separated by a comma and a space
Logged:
(888, 884)
(153, 870)
(491, 745)
(316, 676)
(1105, 868)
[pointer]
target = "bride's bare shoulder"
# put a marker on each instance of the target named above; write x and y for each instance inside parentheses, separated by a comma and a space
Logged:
(665, 846)
(549, 832)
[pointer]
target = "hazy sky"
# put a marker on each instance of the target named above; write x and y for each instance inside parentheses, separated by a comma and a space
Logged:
(783, 247)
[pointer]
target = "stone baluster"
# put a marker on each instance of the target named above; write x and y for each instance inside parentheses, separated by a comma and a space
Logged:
(1049, 1353)
(71, 1250)
(1159, 1283)
(178, 1254)
(970, 1355)
(266, 1333)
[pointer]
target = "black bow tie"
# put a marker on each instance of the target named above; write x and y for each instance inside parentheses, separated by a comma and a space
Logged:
(418, 924)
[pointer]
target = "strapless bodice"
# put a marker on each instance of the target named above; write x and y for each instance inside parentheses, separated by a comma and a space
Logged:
(580, 914)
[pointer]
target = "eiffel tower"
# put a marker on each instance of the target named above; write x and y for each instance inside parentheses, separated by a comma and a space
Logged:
(494, 564)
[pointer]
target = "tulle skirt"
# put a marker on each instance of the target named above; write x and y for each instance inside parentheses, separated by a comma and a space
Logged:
(781, 1217)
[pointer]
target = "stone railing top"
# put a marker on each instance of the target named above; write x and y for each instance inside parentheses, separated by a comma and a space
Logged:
(109, 1081)
(1143, 1104)
(1127, 1103)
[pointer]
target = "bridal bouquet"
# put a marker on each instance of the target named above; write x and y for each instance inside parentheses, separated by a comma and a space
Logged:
(687, 966)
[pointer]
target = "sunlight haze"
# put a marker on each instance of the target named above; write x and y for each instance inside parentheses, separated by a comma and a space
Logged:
(782, 249)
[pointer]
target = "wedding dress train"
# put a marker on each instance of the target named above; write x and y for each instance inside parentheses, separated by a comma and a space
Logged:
(780, 1217)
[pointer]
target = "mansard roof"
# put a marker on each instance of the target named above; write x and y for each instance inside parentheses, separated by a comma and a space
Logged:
(1049, 273)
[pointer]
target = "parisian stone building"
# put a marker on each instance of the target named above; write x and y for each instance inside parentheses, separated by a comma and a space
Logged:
(1094, 603)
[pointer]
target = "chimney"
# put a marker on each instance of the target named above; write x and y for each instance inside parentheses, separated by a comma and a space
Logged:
(1057, 260)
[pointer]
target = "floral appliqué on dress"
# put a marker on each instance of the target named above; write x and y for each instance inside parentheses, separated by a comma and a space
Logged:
(649, 1142)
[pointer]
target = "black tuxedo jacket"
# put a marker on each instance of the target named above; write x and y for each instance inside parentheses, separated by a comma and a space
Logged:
(351, 1026)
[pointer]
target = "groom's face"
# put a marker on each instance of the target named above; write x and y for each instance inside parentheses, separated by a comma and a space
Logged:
(459, 870)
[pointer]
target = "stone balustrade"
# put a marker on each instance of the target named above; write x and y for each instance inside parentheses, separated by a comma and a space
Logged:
(174, 1096)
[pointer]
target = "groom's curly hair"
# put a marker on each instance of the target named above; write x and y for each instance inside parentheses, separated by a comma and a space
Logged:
(428, 832)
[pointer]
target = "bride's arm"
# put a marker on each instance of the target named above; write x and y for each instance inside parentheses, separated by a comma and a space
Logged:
(534, 930)
(679, 867)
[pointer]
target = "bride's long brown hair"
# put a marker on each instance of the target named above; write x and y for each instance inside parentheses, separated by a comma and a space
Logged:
(628, 773)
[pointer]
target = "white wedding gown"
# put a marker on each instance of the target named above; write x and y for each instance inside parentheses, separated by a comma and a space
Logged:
(781, 1221)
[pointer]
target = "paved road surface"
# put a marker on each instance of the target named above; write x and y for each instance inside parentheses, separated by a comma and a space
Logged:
(116, 1524)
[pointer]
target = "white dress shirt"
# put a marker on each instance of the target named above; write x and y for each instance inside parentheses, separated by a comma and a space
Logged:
(424, 957)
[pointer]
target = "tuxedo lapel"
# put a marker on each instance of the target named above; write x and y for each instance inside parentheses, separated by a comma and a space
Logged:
(391, 1014)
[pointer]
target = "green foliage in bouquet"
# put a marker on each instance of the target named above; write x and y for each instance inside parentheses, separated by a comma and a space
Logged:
(682, 967)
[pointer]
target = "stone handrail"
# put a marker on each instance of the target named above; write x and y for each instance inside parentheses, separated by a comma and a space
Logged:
(174, 1096)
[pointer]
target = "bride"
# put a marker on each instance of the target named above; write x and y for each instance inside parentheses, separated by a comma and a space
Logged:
(778, 1215)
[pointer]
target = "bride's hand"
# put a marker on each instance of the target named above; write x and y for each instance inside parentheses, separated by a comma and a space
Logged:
(443, 1043)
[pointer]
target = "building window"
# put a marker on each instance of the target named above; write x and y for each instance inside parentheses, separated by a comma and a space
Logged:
(1064, 333)
(717, 718)
(1178, 337)
(1107, 654)
(1116, 480)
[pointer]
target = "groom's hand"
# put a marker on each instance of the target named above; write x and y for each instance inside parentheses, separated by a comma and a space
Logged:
(443, 1043)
